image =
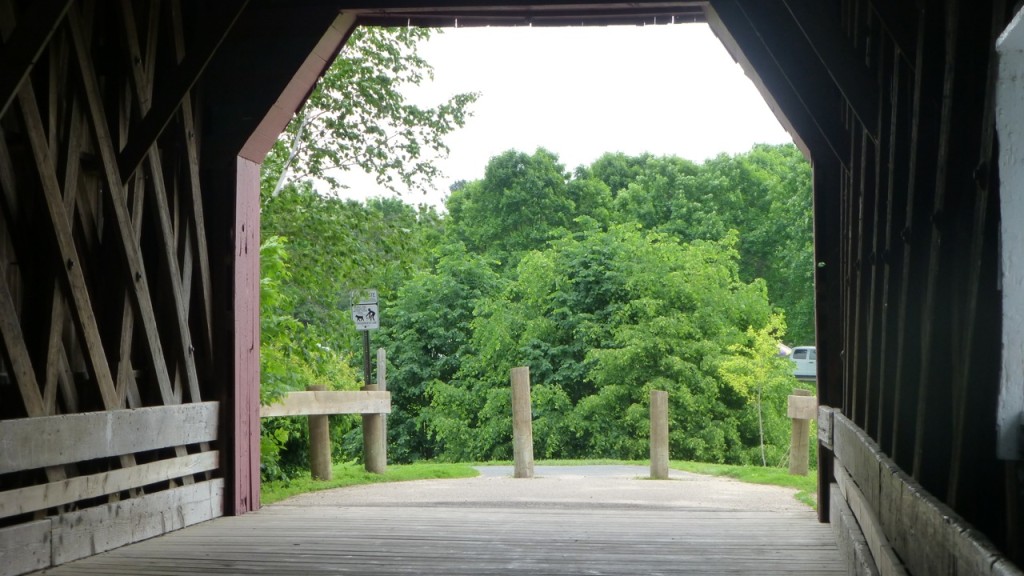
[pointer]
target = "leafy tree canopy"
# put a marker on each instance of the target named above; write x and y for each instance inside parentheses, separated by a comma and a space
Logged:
(358, 117)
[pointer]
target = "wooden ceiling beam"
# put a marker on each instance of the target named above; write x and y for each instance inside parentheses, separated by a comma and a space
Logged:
(801, 98)
(167, 100)
(837, 54)
(23, 45)
(900, 20)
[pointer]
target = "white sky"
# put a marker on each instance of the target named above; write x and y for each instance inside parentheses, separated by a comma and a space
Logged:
(581, 92)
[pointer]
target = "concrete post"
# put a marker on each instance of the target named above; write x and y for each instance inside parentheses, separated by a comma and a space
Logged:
(319, 444)
(799, 439)
(659, 435)
(522, 423)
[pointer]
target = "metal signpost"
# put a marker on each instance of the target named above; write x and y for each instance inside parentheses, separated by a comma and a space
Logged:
(366, 315)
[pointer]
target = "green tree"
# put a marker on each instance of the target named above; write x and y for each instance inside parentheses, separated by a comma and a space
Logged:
(520, 204)
(428, 335)
(602, 317)
(358, 117)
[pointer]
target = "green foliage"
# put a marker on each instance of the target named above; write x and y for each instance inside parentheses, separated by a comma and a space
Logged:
(357, 117)
(427, 335)
(522, 202)
(765, 194)
(601, 318)
(632, 274)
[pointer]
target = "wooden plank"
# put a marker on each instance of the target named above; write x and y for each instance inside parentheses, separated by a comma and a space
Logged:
(219, 22)
(55, 440)
(492, 541)
(245, 338)
(87, 532)
(927, 535)
(321, 403)
(983, 239)
(852, 544)
(828, 308)
(61, 227)
(127, 387)
(17, 352)
(170, 261)
(802, 407)
(25, 547)
(836, 52)
(24, 44)
(886, 560)
(897, 166)
(135, 269)
(194, 197)
(932, 433)
(922, 142)
(809, 119)
(143, 93)
(44, 496)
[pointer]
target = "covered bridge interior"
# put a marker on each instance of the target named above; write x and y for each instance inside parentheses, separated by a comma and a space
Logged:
(131, 136)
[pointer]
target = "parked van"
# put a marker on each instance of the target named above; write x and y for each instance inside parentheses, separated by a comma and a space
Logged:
(805, 363)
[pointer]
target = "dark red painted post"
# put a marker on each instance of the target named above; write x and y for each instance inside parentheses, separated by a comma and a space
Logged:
(246, 409)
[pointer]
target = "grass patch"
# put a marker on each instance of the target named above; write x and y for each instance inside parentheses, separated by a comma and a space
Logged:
(806, 486)
(353, 474)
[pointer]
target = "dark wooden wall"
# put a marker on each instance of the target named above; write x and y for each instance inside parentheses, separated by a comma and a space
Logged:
(894, 104)
(130, 137)
(106, 312)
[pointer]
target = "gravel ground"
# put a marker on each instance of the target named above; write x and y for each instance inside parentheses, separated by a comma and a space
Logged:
(564, 486)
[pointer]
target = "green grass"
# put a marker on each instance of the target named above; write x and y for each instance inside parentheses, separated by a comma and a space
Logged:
(806, 486)
(353, 474)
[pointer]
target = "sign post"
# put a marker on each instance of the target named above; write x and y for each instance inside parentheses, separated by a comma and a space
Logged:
(366, 316)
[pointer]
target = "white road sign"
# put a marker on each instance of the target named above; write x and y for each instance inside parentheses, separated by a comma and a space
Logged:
(366, 316)
(363, 296)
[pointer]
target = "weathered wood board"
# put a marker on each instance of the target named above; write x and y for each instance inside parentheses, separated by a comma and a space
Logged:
(80, 534)
(55, 440)
(24, 547)
(454, 540)
(43, 496)
(926, 534)
(330, 402)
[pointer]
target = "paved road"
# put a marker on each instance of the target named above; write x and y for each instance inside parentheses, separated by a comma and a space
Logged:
(567, 486)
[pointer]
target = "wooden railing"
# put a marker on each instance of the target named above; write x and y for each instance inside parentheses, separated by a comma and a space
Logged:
(168, 489)
(318, 404)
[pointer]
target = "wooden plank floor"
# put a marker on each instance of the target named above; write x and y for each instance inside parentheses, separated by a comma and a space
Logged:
(478, 540)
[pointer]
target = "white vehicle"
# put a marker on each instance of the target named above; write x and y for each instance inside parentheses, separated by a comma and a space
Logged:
(805, 363)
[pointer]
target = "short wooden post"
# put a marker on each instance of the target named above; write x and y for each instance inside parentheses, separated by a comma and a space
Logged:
(659, 435)
(801, 411)
(374, 455)
(319, 444)
(522, 423)
(382, 385)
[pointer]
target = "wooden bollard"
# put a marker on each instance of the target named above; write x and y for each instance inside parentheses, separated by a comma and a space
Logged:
(382, 385)
(522, 423)
(319, 444)
(659, 435)
(374, 455)
(802, 409)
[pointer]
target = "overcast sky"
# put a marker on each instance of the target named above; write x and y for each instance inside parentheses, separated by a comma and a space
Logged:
(581, 92)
